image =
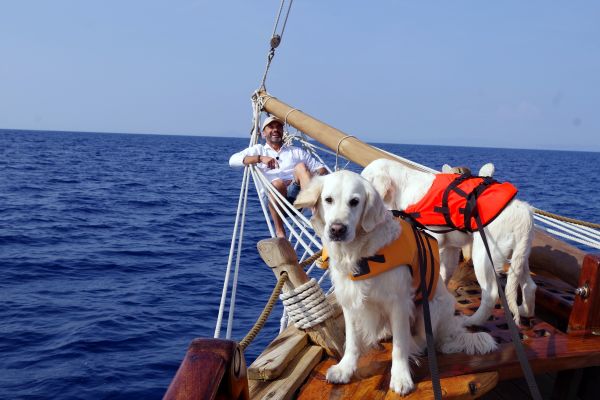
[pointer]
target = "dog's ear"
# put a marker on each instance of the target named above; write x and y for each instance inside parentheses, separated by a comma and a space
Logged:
(374, 210)
(446, 169)
(487, 170)
(309, 198)
(384, 185)
(317, 221)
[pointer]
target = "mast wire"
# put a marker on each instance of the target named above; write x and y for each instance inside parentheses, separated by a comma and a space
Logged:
(275, 40)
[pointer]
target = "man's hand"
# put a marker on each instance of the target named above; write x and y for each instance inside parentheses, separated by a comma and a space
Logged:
(270, 162)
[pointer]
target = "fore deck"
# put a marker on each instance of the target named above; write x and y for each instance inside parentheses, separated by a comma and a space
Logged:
(559, 341)
(563, 339)
(549, 349)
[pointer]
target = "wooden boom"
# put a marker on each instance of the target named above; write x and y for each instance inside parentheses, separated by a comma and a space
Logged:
(349, 147)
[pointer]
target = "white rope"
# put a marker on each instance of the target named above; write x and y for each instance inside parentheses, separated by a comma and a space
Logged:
(568, 234)
(306, 305)
(337, 151)
(288, 114)
(323, 149)
(282, 200)
(569, 226)
(257, 185)
(416, 165)
(278, 198)
(242, 202)
(230, 259)
(574, 239)
(323, 276)
(257, 175)
(311, 149)
(237, 264)
(588, 229)
(263, 206)
(285, 221)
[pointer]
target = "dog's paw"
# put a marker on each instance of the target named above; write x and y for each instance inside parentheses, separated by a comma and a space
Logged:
(401, 382)
(338, 374)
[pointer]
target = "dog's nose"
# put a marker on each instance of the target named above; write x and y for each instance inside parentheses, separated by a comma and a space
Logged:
(337, 231)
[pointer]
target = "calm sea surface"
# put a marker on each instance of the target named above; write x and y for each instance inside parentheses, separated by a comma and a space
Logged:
(113, 250)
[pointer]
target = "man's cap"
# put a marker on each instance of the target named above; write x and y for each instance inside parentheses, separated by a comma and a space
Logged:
(269, 120)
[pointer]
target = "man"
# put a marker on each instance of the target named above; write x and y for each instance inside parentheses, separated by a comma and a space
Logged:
(288, 168)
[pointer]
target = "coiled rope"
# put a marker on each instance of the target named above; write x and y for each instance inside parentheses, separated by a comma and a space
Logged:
(306, 305)
(260, 322)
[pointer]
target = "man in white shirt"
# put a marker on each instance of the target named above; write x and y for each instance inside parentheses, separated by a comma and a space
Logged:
(288, 168)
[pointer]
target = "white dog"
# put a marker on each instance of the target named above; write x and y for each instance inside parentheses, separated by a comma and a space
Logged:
(509, 236)
(353, 223)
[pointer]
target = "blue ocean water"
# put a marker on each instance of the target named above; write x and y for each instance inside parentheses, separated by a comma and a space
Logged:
(113, 250)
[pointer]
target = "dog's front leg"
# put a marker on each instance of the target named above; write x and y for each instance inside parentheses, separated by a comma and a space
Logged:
(343, 371)
(401, 381)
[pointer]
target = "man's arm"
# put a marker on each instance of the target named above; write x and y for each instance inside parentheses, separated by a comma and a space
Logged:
(251, 156)
(248, 156)
(237, 159)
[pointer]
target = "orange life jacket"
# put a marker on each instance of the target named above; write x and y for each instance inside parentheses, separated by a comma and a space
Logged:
(402, 251)
(456, 201)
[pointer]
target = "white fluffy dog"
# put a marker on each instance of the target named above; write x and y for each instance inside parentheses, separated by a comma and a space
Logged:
(509, 237)
(353, 223)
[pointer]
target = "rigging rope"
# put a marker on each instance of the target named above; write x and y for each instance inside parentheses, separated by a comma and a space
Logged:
(260, 322)
(242, 198)
(275, 40)
(566, 219)
(311, 259)
(337, 151)
(237, 265)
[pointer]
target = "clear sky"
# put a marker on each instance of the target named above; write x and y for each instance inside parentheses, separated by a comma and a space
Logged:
(522, 74)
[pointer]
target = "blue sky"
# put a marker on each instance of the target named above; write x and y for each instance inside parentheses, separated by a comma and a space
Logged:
(478, 73)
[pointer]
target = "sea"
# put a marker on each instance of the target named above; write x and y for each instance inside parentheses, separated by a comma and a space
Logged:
(113, 250)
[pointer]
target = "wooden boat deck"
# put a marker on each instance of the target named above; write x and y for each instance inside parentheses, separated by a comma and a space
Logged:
(549, 349)
(562, 343)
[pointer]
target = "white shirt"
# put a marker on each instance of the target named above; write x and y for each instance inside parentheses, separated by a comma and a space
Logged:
(288, 158)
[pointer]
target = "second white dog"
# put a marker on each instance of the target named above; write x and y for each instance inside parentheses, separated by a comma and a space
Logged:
(509, 236)
(353, 223)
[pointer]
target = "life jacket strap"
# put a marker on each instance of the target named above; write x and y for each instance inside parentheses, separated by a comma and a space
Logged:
(471, 200)
(363, 264)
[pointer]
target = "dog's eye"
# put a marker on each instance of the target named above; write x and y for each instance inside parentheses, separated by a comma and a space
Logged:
(353, 202)
(328, 200)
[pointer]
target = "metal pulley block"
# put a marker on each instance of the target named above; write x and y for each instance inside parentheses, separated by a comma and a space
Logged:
(275, 40)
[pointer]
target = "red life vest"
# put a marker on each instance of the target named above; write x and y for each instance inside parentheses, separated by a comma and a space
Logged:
(456, 201)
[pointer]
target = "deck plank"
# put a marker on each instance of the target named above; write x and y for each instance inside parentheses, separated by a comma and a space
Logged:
(291, 379)
(275, 358)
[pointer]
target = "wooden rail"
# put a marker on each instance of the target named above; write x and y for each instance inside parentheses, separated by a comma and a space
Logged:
(211, 369)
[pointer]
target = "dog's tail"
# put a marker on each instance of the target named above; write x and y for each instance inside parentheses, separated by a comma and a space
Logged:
(457, 339)
(519, 261)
